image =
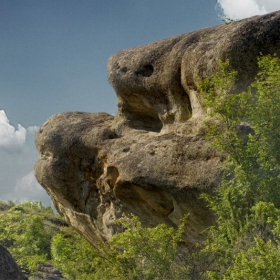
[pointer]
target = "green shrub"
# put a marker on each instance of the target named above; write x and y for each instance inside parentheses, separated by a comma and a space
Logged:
(246, 128)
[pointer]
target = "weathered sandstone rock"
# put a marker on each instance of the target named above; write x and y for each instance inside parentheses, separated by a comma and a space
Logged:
(9, 270)
(151, 159)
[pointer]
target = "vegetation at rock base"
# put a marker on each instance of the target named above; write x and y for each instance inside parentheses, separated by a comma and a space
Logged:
(35, 235)
(244, 243)
(246, 127)
(26, 230)
(136, 253)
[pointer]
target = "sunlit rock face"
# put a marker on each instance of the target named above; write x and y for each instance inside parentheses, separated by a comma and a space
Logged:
(151, 159)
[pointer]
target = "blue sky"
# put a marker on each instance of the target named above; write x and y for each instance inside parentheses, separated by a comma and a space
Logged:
(54, 54)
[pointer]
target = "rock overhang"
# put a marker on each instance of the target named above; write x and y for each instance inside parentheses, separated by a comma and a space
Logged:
(151, 159)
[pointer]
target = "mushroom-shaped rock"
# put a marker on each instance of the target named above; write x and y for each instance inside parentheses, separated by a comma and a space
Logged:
(151, 159)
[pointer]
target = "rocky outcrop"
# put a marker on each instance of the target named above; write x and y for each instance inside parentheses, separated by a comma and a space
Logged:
(9, 270)
(151, 159)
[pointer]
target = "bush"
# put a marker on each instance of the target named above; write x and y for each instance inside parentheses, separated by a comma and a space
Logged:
(246, 127)
(136, 253)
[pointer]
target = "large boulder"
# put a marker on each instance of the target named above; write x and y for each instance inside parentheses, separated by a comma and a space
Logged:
(151, 159)
(9, 270)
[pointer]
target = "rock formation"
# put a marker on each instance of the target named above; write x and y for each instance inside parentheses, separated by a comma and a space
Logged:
(151, 159)
(9, 270)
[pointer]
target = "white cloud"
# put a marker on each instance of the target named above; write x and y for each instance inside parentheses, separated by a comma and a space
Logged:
(17, 157)
(10, 138)
(271, 5)
(239, 9)
(27, 188)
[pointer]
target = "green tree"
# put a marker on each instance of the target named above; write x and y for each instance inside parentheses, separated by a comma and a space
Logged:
(245, 128)
(73, 256)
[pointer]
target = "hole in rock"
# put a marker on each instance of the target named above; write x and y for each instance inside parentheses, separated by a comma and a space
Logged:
(145, 71)
(109, 134)
(112, 175)
(112, 136)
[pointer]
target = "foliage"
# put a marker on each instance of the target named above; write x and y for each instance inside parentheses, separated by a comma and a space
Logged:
(136, 253)
(26, 231)
(35, 235)
(73, 256)
(245, 127)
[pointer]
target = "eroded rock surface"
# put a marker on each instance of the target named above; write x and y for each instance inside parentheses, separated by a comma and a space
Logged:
(151, 159)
